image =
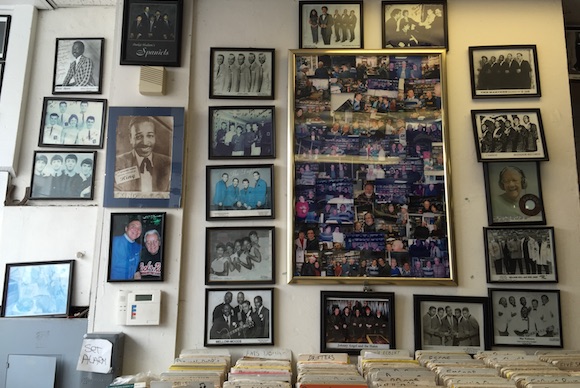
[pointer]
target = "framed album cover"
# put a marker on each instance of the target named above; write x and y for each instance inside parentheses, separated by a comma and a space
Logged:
(573, 51)
(78, 66)
(4, 35)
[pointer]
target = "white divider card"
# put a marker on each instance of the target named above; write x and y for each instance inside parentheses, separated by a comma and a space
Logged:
(273, 354)
(95, 356)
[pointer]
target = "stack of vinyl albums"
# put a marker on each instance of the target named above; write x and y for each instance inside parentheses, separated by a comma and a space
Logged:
(326, 370)
(262, 369)
(393, 368)
(199, 366)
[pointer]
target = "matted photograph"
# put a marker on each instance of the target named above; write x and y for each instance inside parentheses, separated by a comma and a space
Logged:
(509, 134)
(73, 123)
(520, 255)
(573, 51)
(412, 24)
(63, 175)
(334, 24)
(144, 157)
(136, 247)
(355, 321)
(38, 289)
(452, 323)
(240, 191)
(504, 71)
(246, 320)
(526, 317)
(514, 193)
(78, 66)
(4, 35)
(241, 132)
(240, 255)
(240, 73)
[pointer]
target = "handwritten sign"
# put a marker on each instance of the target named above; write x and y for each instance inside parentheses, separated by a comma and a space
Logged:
(95, 356)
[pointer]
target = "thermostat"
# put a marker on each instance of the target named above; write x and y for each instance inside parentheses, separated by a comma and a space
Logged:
(143, 308)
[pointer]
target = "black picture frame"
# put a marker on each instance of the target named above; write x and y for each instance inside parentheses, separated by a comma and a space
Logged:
(257, 81)
(256, 122)
(156, 43)
(67, 177)
(67, 64)
(426, 21)
(4, 35)
(510, 328)
(2, 65)
(493, 78)
(573, 52)
(468, 335)
(256, 328)
(57, 128)
(38, 289)
(249, 203)
(514, 193)
(136, 247)
(345, 34)
(350, 333)
(509, 134)
(520, 255)
(240, 255)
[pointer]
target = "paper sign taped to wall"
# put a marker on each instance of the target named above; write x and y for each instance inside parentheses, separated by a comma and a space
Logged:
(95, 356)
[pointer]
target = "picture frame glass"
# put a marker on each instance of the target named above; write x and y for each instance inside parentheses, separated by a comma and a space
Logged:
(78, 66)
(331, 25)
(4, 34)
(412, 24)
(572, 39)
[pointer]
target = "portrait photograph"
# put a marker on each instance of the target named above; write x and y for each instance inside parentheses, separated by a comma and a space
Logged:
(355, 321)
(136, 247)
(451, 323)
(504, 71)
(63, 175)
(78, 66)
(246, 320)
(332, 24)
(241, 132)
(520, 255)
(144, 157)
(514, 193)
(72, 122)
(4, 34)
(240, 191)
(508, 134)
(412, 24)
(573, 51)
(526, 317)
(239, 73)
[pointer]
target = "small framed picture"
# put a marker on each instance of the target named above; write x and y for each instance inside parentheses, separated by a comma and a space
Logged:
(63, 175)
(240, 255)
(526, 317)
(412, 24)
(504, 71)
(240, 191)
(247, 320)
(73, 123)
(136, 247)
(241, 132)
(78, 66)
(514, 193)
(1, 74)
(355, 321)
(573, 51)
(239, 73)
(520, 255)
(4, 35)
(334, 24)
(508, 134)
(452, 323)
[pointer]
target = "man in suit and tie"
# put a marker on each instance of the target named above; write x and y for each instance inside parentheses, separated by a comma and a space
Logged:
(325, 22)
(448, 327)
(261, 318)
(80, 72)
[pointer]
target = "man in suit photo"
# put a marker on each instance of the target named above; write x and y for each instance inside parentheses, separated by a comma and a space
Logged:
(80, 72)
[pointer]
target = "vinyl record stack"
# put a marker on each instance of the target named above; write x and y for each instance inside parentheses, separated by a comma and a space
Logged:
(393, 368)
(326, 370)
(260, 372)
(200, 366)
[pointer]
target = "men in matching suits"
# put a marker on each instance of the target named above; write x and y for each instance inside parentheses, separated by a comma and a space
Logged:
(80, 72)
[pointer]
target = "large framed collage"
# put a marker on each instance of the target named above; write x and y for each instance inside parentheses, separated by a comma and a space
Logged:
(368, 161)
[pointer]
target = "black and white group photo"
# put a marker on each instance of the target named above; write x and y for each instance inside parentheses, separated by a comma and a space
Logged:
(78, 65)
(414, 25)
(331, 25)
(155, 22)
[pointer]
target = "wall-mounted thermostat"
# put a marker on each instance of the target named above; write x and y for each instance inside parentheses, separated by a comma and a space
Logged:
(143, 308)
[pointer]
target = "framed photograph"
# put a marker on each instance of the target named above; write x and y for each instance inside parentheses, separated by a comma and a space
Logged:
(72, 123)
(240, 255)
(4, 35)
(241, 132)
(573, 51)
(240, 191)
(509, 134)
(249, 320)
(520, 255)
(1, 75)
(136, 247)
(504, 71)
(63, 175)
(333, 24)
(144, 157)
(152, 33)
(78, 66)
(452, 323)
(38, 289)
(239, 73)
(526, 317)
(368, 169)
(415, 23)
(514, 193)
(355, 321)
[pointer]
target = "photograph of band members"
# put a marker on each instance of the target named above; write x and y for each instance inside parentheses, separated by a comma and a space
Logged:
(78, 65)
(413, 25)
(331, 25)
(155, 22)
